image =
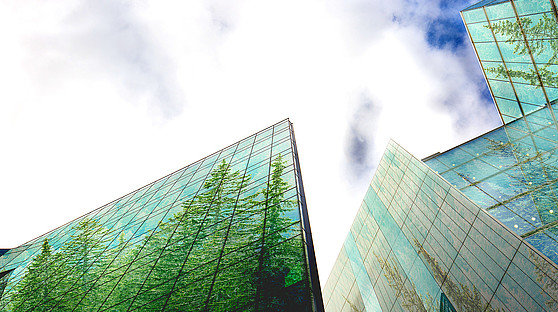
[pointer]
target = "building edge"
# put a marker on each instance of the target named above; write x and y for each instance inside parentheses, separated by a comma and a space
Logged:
(311, 256)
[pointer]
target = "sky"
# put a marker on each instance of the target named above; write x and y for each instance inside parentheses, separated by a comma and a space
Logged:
(98, 98)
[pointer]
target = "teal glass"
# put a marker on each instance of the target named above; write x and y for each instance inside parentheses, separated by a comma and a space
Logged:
(508, 107)
(525, 7)
(523, 54)
(474, 16)
(223, 234)
(512, 174)
(429, 246)
(499, 11)
(480, 32)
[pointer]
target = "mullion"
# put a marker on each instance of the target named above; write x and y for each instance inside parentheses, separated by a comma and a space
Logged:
(70, 271)
(263, 250)
(174, 231)
(131, 262)
(226, 236)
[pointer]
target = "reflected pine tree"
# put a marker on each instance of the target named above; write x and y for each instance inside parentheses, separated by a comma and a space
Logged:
(37, 289)
(172, 266)
(541, 37)
(547, 277)
(462, 297)
(404, 289)
(59, 280)
(281, 260)
(85, 256)
(533, 173)
(354, 307)
(231, 247)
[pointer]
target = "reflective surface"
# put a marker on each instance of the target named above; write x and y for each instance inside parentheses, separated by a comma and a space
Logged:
(223, 234)
(419, 244)
(513, 174)
(516, 42)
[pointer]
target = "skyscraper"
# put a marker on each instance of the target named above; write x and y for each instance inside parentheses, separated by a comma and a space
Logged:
(229, 232)
(473, 228)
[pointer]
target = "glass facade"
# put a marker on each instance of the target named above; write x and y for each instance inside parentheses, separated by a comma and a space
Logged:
(513, 174)
(474, 228)
(516, 45)
(229, 232)
(420, 244)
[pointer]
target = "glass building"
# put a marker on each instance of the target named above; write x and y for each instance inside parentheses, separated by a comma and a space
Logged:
(513, 174)
(516, 45)
(473, 228)
(229, 232)
(420, 244)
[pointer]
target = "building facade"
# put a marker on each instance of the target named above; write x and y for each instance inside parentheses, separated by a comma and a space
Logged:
(420, 244)
(513, 175)
(229, 232)
(515, 42)
(473, 228)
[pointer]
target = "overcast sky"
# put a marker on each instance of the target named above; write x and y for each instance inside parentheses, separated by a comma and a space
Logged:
(98, 98)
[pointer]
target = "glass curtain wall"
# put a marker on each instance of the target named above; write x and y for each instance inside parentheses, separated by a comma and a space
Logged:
(516, 44)
(513, 174)
(226, 233)
(419, 244)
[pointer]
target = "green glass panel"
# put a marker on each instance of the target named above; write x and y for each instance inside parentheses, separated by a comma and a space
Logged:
(549, 77)
(475, 170)
(512, 128)
(514, 51)
(546, 242)
(508, 119)
(523, 72)
(539, 26)
(508, 107)
(473, 16)
(506, 29)
(480, 32)
(544, 54)
(550, 134)
(494, 70)
(488, 51)
(528, 108)
(502, 89)
(530, 94)
(524, 7)
(445, 304)
(542, 118)
(499, 11)
(455, 157)
(437, 165)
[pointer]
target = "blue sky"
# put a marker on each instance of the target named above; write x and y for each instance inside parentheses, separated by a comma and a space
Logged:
(100, 98)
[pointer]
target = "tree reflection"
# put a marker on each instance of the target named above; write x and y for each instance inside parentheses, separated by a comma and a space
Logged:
(231, 247)
(529, 37)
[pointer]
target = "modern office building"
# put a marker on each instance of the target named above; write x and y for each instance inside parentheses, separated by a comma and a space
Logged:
(473, 228)
(229, 232)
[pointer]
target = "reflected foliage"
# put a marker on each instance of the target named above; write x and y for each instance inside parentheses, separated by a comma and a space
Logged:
(529, 173)
(231, 247)
(547, 276)
(404, 289)
(354, 307)
(534, 33)
(535, 176)
(463, 297)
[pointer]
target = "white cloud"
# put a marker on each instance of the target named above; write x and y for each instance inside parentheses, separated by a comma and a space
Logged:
(101, 98)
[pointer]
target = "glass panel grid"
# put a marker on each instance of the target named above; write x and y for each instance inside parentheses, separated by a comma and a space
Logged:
(442, 244)
(220, 232)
